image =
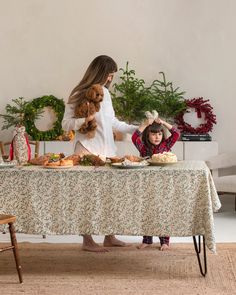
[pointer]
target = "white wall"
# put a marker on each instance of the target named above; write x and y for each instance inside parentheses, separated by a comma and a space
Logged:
(46, 45)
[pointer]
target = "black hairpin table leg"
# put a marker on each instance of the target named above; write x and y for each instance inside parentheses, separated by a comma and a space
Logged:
(197, 247)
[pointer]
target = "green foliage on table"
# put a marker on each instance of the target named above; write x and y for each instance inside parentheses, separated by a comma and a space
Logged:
(131, 98)
(168, 101)
(85, 161)
(35, 107)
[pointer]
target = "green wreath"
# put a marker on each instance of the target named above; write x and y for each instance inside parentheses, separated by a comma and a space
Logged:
(35, 109)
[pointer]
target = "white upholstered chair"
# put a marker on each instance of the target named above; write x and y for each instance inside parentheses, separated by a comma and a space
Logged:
(224, 184)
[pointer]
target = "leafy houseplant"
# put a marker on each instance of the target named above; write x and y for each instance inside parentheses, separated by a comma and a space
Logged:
(168, 101)
(130, 97)
(15, 114)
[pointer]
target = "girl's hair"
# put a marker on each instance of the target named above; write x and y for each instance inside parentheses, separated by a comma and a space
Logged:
(153, 128)
(97, 73)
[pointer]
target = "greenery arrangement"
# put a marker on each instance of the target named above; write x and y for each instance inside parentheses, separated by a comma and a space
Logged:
(15, 114)
(35, 107)
(168, 101)
(23, 113)
(132, 98)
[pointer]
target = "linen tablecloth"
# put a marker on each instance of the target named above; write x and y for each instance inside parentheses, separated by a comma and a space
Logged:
(175, 200)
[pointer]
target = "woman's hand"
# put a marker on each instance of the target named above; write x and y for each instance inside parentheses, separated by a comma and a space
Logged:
(89, 118)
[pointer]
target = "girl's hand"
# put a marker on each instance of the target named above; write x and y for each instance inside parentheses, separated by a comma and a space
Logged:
(164, 123)
(145, 124)
(159, 121)
(148, 122)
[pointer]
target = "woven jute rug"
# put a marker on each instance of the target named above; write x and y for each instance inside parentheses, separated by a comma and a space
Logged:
(65, 269)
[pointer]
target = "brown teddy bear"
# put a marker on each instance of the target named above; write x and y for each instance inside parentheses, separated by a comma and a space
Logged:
(89, 105)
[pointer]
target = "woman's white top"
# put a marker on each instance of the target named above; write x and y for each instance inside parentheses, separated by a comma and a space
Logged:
(103, 142)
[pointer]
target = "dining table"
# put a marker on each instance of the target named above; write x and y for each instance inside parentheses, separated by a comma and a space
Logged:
(176, 200)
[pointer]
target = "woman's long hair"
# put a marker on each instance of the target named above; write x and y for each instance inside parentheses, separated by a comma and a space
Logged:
(154, 128)
(96, 73)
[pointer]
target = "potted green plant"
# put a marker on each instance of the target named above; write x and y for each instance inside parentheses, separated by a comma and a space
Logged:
(15, 114)
(131, 98)
(167, 100)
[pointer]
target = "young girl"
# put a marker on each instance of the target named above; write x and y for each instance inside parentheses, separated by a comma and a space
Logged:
(100, 71)
(149, 140)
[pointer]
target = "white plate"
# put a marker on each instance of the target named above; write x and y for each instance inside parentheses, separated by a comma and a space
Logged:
(57, 167)
(2, 166)
(121, 166)
(160, 163)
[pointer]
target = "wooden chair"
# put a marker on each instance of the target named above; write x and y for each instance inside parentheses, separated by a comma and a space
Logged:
(35, 144)
(224, 184)
(36, 147)
(10, 219)
(2, 148)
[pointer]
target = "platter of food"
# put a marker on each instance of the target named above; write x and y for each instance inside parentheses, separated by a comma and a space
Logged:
(130, 165)
(130, 158)
(57, 167)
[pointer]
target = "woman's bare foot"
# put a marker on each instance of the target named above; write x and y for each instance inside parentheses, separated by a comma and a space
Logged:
(112, 241)
(91, 246)
(164, 247)
(143, 246)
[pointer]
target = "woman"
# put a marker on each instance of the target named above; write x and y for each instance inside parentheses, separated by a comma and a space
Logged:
(100, 71)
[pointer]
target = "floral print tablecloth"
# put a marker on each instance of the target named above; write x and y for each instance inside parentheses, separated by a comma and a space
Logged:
(176, 200)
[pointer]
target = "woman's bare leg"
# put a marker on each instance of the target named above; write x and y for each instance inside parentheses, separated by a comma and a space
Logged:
(112, 241)
(88, 242)
(91, 246)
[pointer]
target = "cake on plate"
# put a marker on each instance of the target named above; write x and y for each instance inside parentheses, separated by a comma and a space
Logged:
(166, 157)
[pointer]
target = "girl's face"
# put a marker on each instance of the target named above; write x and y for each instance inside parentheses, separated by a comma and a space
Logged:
(155, 138)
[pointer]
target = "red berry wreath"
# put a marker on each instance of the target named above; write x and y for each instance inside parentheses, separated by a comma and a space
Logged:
(201, 106)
